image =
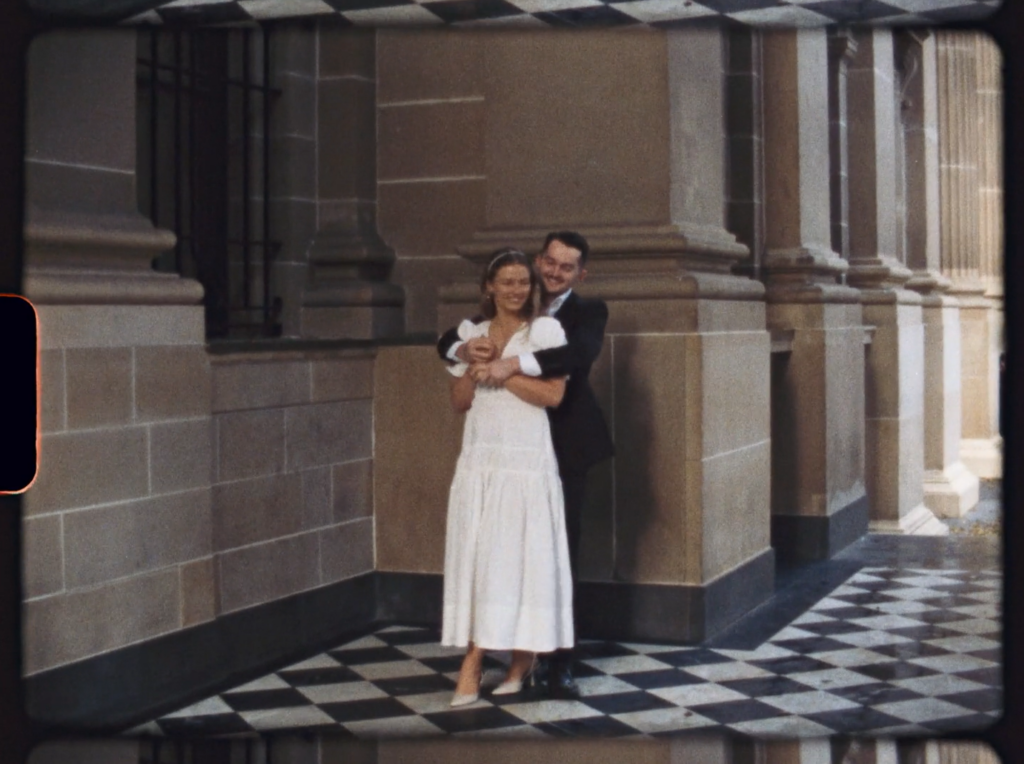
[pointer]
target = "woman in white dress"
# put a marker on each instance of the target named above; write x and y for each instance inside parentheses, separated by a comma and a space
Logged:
(507, 584)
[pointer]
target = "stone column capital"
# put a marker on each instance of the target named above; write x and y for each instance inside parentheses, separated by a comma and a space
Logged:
(880, 272)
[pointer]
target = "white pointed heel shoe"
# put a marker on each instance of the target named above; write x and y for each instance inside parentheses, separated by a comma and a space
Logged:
(512, 686)
(460, 699)
(466, 698)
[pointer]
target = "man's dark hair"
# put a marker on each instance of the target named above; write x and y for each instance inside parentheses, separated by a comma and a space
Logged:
(570, 239)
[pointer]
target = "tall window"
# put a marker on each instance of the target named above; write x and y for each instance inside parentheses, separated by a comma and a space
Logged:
(204, 107)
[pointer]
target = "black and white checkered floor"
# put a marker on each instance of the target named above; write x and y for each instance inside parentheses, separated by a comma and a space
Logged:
(537, 13)
(901, 651)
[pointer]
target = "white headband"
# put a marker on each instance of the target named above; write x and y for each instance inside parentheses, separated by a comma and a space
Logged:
(506, 253)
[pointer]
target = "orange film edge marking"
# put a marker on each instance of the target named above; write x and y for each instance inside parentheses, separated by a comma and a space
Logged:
(39, 398)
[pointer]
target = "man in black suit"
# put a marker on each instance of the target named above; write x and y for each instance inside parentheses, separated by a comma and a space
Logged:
(578, 428)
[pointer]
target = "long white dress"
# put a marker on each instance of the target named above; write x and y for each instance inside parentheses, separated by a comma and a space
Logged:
(507, 583)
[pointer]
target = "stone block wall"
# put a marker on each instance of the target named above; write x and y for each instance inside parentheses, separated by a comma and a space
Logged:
(417, 441)
(291, 499)
(117, 527)
(177, 486)
(430, 157)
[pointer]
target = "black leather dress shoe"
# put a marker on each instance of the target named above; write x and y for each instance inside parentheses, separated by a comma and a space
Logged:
(542, 670)
(561, 685)
(537, 686)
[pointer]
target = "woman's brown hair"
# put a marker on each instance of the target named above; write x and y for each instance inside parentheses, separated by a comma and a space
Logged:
(501, 258)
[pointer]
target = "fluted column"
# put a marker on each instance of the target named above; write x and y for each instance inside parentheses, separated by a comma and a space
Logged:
(960, 148)
(990, 163)
(894, 412)
(958, 152)
(950, 489)
(819, 503)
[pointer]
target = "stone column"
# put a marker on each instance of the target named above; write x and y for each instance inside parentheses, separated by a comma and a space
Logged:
(818, 495)
(950, 489)
(861, 751)
(894, 383)
(809, 751)
(990, 165)
(841, 47)
(348, 294)
(621, 136)
(117, 527)
(960, 198)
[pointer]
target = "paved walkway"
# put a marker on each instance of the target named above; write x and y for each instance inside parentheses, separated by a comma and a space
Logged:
(896, 635)
(986, 519)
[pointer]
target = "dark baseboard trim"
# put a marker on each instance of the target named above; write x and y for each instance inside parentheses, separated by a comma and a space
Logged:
(120, 689)
(802, 538)
(413, 599)
(683, 614)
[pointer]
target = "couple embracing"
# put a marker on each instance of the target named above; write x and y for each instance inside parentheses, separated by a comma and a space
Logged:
(532, 431)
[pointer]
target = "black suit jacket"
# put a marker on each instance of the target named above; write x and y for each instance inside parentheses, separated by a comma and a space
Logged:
(578, 428)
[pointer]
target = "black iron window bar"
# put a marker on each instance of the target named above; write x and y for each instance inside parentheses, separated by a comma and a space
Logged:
(187, 91)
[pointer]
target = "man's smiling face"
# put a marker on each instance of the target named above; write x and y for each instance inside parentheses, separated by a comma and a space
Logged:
(559, 268)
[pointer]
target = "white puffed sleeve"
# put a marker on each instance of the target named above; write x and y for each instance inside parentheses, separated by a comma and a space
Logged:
(468, 330)
(546, 332)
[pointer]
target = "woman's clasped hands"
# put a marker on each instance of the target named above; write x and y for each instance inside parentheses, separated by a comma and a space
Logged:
(481, 352)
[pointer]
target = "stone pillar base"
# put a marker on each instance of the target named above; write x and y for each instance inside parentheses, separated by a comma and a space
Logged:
(687, 613)
(952, 492)
(917, 522)
(348, 295)
(352, 323)
(983, 457)
(806, 538)
(361, 310)
(118, 250)
(819, 502)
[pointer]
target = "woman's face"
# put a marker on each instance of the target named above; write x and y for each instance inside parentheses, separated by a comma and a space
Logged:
(511, 288)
